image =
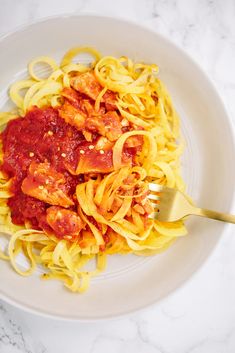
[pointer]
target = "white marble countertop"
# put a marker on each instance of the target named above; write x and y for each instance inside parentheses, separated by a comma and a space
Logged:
(200, 317)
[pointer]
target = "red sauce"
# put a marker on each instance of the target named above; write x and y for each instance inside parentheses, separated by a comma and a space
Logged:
(40, 136)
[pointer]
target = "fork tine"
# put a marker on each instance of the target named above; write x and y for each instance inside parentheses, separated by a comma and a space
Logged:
(153, 197)
(157, 192)
(155, 205)
(155, 187)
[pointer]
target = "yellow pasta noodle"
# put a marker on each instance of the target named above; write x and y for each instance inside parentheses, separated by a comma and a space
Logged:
(112, 206)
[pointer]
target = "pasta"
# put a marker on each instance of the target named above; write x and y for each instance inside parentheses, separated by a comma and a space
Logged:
(76, 158)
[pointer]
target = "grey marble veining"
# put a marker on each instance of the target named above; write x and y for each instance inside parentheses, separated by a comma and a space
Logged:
(199, 318)
(14, 336)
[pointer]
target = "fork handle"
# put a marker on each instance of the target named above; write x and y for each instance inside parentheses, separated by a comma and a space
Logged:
(214, 215)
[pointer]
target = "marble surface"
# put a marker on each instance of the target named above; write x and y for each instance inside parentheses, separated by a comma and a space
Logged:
(200, 317)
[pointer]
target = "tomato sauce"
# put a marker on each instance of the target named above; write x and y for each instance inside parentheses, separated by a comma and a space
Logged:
(41, 136)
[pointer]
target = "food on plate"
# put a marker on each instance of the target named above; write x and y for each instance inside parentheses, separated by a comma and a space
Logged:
(77, 153)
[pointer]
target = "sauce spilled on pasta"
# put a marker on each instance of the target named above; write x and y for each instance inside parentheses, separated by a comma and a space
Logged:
(42, 138)
(76, 157)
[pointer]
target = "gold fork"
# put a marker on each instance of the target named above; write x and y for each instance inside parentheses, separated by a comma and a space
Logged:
(171, 205)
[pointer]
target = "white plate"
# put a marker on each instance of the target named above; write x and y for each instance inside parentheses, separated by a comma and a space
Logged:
(131, 282)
